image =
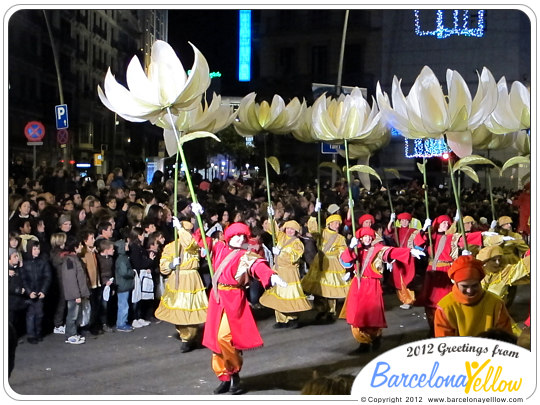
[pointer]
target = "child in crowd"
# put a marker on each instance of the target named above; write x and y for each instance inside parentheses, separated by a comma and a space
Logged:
(125, 281)
(75, 289)
(105, 259)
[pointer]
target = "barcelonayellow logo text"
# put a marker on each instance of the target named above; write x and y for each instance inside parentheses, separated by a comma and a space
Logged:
(457, 365)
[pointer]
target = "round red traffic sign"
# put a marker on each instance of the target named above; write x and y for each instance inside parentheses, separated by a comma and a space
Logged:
(34, 131)
(62, 136)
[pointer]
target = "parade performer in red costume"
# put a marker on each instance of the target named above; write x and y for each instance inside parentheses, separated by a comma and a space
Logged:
(230, 326)
(403, 237)
(436, 282)
(405, 234)
(364, 307)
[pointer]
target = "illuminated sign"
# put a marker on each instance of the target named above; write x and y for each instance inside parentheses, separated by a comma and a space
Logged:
(244, 46)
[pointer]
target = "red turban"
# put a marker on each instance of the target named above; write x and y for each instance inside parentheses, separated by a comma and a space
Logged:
(236, 228)
(440, 219)
(366, 217)
(466, 268)
(365, 231)
(405, 215)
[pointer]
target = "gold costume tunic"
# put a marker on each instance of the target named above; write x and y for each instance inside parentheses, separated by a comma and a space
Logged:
(184, 301)
(325, 275)
(291, 298)
(512, 274)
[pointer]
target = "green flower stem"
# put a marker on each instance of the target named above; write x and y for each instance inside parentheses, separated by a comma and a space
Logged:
(458, 207)
(351, 201)
(426, 202)
(175, 208)
(191, 191)
(391, 205)
(270, 216)
(319, 198)
(491, 194)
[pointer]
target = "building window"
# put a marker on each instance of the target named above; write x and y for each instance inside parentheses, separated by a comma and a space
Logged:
(287, 60)
(319, 62)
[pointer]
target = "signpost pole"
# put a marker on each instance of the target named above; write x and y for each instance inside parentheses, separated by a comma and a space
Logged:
(35, 164)
(58, 78)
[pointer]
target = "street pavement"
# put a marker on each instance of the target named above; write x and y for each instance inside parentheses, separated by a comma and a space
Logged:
(147, 362)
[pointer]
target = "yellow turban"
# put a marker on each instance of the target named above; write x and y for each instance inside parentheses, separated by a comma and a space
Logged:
(293, 225)
(333, 218)
(489, 252)
(187, 225)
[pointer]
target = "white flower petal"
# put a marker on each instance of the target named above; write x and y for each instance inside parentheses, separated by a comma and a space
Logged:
(138, 83)
(122, 101)
(197, 83)
(170, 142)
(167, 73)
(459, 101)
(460, 143)
(485, 100)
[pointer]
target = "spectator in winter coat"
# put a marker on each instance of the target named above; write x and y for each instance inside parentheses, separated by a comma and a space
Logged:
(36, 277)
(105, 259)
(76, 290)
(58, 253)
(124, 277)
(142, 262)
(16, 300)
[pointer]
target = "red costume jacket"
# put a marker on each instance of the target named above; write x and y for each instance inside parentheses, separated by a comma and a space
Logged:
(232, 298)
(405, 236)
(365, 305)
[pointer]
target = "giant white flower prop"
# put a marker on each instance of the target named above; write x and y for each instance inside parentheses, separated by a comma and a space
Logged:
(513, 110)
(202, 121)
(264, 118)
(157, 96)
(275, 118)
(427, 113)
(165, 86)
(349, 117)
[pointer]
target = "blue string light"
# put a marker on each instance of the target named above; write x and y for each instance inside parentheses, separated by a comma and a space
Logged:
(420, 148)
(423, 148)
(460, 27)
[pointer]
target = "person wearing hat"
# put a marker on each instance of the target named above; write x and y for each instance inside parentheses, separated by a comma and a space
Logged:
(468, 310)
(184, 301)
(366, 221)
(287, 301)
(332, 209)
(403, 237)
(436, 281)
(230, 327)
(475, 239)
(364, 307)
(324, 277)
(500, 279)
(513, 245)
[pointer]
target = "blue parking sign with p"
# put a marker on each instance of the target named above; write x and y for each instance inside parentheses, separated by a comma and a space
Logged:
(61, 116)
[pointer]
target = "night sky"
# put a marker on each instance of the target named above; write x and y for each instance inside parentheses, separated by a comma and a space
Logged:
(215, 34)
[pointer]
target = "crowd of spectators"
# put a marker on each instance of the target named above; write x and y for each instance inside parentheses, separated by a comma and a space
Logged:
(59, 221)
